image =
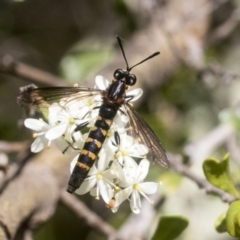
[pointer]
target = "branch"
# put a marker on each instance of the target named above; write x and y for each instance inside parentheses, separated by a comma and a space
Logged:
(137, 225)
(32, 74)
(9, 147)
(202, 148)
(176, 164)
(31, 196)
(218, 71)
(92, 219)
(226, 28)
(14, 170)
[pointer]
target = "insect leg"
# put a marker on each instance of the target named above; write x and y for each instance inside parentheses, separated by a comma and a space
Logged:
(129, 98)
(69, 145)
(117, 138)
(79, 128)
(90, 111)
(117, 144)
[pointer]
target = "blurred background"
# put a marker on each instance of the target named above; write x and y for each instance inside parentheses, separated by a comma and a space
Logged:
(191, 91)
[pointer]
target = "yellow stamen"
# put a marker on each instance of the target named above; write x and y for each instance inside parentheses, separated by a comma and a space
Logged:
(75, 85)
(90, 102)
(117, 155)
(34, 135)
(100, 176)
(137, 187)
(71, 120)
(124, 153)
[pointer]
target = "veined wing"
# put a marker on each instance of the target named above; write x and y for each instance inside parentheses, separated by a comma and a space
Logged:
(40, 98)
(141, 130)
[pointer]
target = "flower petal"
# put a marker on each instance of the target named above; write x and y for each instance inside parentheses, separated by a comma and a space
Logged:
(136, 93)
(135, 202)
(104, 158)
(114, 209)
(105, 190)
(35, 124)
(149, 187)
(129, 162)
(101, 82)
(138, 150)
(93, 171)
(86, 186)
(56, 132)
(122, 196)
(39, 144)
(142, 170)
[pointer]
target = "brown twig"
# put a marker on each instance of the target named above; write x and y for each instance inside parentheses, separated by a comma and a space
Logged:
(11, 66)
(219, 71)
(9, 147)
(31, 197)
(137, 225)
(199, 150)
(226, 28)
(176, 164)
(13, 170)
(92, 219)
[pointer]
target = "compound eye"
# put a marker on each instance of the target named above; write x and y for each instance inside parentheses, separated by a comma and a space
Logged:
(118, 74)
(131, 79)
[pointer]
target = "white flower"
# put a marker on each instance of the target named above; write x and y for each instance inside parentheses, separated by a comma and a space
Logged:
(66, 120)
(101, 82)
(41, 128)
(99, 180)
(128, 148)
(133, 185)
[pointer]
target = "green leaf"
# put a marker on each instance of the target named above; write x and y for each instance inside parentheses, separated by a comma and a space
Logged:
(218, 173)
(220, 224)
(170, 227)
(233, 219)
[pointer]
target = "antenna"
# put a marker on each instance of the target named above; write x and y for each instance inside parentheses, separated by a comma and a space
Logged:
(153, 55)
(121, 46)
(129, 69)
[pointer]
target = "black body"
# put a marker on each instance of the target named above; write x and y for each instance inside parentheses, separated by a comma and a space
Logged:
(113, 98)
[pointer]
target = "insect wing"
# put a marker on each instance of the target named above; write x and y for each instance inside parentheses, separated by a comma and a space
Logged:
(42, 98)
(141, 130)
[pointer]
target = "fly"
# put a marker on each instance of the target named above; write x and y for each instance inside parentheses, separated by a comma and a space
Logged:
(114, 99)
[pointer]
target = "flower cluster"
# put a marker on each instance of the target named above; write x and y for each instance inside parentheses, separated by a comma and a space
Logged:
(115, 176)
